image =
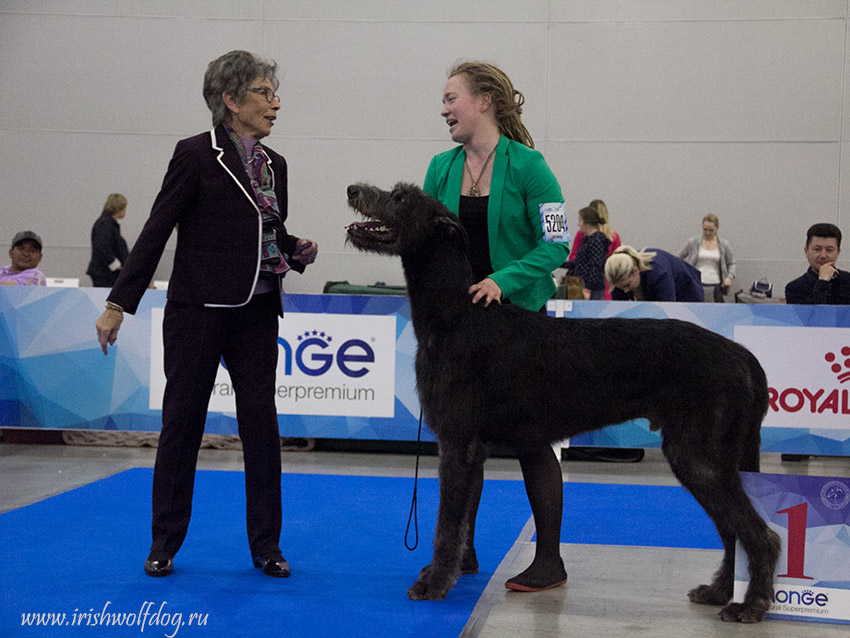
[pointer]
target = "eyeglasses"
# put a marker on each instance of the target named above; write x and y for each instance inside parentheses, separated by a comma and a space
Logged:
(267, 93)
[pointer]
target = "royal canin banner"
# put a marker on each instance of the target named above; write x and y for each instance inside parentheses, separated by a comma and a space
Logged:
(808, 374)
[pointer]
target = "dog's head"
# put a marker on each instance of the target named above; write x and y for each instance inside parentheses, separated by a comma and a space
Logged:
(401, 221)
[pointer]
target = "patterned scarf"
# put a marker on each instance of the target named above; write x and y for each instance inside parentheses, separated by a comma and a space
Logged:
(260, 175)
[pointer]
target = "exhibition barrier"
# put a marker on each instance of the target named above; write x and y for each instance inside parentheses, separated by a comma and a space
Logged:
(346, 371)
(812, 518)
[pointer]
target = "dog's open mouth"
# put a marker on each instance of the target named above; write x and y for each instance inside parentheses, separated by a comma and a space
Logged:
(371, 231)
(374, 233)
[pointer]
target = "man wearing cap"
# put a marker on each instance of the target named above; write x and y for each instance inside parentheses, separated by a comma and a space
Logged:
(25, 255)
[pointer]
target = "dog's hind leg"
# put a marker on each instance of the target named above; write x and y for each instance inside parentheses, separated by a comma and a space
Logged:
(737, 519)
(544, 485)
(762, 546)
(716, 485)
(458, 467)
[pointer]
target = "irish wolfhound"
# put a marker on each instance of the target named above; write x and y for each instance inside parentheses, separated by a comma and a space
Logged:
(505, 375)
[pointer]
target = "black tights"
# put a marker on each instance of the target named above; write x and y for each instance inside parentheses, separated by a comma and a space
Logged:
(544, 486)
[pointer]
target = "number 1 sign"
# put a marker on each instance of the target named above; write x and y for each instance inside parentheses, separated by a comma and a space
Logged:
(811, 514)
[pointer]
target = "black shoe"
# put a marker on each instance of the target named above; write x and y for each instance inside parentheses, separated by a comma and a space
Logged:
(275, 566)
(795, 458)
(157, 568)
(605, 454)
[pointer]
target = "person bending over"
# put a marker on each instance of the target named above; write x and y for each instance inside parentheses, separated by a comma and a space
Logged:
(651, 275)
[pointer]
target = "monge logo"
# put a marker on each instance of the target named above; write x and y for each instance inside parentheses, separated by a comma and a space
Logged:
(804, 598)
(817, 400)
(328, 365)
(336, 365)
(315, 354)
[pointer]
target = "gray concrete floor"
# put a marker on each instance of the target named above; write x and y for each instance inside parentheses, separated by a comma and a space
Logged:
(612, 590)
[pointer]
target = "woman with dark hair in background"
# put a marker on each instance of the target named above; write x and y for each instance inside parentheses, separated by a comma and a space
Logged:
(605, 226)
(589, 262)
(108, 248)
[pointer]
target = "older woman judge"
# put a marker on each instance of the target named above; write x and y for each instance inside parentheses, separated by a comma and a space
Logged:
(227, 194)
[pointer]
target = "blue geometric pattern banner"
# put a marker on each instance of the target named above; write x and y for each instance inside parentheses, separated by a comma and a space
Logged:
(804, 350)
(54, 375)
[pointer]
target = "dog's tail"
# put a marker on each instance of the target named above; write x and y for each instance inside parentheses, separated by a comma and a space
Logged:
(750, 455)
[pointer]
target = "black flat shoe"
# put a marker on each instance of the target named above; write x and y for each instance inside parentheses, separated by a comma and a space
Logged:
(277, 567)
(157, 568)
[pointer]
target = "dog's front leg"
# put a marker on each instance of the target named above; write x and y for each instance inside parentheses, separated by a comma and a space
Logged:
(456, 474)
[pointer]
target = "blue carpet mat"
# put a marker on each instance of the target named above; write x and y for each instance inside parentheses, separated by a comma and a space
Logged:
(80, 553)
(640, 515)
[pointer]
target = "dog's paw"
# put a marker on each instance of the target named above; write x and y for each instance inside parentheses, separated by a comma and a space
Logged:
(709, 595)
(422, 590)
(743, 612)
(430, 585)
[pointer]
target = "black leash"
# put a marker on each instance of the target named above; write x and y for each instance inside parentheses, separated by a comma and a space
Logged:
(413, 503)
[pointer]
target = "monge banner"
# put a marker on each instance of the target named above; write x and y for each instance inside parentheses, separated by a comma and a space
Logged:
(811, 515)
(328, 365)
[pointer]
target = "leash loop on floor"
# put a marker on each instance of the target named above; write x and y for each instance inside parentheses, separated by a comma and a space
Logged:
(413, 501)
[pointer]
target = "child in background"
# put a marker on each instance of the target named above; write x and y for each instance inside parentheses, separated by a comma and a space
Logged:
(602, 210)
(589, 262)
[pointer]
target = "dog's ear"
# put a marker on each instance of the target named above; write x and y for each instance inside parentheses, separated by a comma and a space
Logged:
(449, 227)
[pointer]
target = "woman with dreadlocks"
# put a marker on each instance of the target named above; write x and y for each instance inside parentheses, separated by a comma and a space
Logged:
(510, 204)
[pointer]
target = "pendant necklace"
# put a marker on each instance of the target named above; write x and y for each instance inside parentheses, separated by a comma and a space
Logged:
(473, 189)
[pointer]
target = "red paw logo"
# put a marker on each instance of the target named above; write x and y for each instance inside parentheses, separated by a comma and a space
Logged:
(841, 369)
(817, 400)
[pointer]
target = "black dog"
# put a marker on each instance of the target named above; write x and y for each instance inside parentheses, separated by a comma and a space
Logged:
(506, 375)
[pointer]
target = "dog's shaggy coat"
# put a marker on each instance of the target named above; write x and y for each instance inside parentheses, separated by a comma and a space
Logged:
(506, 375)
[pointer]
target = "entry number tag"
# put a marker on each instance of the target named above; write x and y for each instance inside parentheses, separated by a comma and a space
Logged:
(553, 219)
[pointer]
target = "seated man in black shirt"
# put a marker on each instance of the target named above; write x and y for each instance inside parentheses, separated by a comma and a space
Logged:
(823, 283)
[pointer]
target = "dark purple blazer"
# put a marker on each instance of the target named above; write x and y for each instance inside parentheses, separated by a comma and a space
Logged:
(207, 195)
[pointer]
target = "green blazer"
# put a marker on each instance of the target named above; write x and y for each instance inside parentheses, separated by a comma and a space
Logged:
(522, 260)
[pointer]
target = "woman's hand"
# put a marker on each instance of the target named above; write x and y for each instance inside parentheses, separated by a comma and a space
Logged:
(305, 251)
(486, 289)
(107, 327)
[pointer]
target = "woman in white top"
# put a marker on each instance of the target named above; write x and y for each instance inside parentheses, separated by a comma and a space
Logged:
(713, 257)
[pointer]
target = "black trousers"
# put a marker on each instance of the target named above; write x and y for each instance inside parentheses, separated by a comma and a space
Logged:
(195, 338)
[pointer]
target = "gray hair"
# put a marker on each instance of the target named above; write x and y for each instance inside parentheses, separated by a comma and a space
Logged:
(623, 261)
(234, 73)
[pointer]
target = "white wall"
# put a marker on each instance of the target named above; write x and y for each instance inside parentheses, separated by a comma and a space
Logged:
(666, 109)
